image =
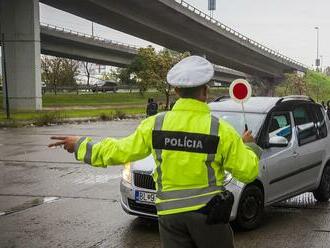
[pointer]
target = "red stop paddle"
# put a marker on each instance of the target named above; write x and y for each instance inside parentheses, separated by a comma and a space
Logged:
(240, 91)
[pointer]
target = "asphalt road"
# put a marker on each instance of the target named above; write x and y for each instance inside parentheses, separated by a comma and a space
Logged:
(47, 199)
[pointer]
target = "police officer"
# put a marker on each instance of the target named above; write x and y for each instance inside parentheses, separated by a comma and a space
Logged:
(152, 107)
(192, 149)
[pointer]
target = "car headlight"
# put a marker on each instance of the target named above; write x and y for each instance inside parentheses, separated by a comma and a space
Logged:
(228, 177)
(126, 173)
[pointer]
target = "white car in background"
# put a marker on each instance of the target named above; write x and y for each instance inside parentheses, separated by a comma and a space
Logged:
(294, 133)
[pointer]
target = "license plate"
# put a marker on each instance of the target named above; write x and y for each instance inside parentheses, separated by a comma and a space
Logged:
(145, 197)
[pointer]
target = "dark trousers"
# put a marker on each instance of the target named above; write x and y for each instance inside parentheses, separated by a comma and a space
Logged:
(189, 230)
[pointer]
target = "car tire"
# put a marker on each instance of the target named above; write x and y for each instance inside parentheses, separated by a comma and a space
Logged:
(250, 208)
(322, 193)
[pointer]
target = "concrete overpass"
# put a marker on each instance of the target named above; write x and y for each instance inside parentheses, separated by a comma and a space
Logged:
(179, 26)
(62, 42)
(171, 23)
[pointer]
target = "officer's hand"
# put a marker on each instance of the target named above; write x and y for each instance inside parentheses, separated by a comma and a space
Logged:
(68, 142)
(247, 137)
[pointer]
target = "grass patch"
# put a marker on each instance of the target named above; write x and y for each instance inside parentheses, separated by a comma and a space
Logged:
(103, 106)
(98, 99)
(108, 99)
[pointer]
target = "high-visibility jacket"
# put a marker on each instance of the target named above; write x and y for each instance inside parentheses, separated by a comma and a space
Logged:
(192, 149)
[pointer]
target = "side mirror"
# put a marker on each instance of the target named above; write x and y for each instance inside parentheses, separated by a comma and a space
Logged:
(278, 141)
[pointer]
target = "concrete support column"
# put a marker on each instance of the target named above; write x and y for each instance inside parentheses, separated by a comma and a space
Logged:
(264, 86)
(19, 22)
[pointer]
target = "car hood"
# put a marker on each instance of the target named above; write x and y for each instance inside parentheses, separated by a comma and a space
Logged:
(146, 165)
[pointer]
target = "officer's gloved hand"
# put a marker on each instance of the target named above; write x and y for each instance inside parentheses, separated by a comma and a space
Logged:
(247, 137)
(67, 142)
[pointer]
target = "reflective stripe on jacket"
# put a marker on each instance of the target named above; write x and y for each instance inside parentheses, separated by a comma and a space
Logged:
(192, 149)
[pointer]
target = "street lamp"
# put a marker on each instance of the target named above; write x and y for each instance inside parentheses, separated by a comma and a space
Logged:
(317, 62)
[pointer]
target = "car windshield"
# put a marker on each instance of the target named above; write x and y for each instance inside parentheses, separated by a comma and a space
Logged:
(236, 119)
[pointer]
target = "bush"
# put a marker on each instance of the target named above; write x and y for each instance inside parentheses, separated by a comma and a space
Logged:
(48, 118)
(106, 117)
(119, 115)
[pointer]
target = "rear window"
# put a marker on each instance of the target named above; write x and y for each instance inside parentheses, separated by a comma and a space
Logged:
(320, 121)
(305, 124)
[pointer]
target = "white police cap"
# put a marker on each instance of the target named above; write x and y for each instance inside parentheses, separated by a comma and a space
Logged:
(192, 71)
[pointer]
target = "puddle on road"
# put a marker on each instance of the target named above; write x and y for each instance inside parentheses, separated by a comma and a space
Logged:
(304, 201)
(30, 204)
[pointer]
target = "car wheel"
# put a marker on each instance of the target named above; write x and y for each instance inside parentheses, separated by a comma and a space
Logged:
(322, 193)
(250, 208)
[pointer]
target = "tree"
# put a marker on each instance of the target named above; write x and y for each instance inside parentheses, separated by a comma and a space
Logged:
(327, 71)
(313, 84)
(125, 77)
(166, 59)
(87, 68)
(318, 85)
(149, 69)
(59, 71)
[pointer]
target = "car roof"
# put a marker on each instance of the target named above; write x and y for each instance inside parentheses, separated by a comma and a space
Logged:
(260, 105)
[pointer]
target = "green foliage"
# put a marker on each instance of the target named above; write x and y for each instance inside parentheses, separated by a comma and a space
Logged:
(106, 117)
(59, 71)
(318, 85)
(313, 84)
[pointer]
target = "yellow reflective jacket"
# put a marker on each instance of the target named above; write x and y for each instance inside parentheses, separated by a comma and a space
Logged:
(189, 167)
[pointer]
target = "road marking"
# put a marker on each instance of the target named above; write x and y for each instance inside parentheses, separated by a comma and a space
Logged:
(50, 199)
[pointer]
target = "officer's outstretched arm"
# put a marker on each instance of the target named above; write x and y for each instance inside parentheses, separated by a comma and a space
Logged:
(240, 159)
(115, 151)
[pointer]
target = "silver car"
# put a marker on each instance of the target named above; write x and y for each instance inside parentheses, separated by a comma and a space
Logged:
(293, 132)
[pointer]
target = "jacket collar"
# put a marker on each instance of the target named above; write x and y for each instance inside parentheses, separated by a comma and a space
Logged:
(189, 104)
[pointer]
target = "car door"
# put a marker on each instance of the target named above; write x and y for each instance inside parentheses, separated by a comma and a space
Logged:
(280, 162)
(311, 131)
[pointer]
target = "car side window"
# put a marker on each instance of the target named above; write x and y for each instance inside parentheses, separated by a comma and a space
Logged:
(306, 128)
(280, 125)
(320, 121)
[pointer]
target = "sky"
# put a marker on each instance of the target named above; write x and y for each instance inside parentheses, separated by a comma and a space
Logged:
(287, 26)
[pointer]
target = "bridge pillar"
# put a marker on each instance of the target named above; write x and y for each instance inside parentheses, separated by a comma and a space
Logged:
(264, 86)
(19, 23)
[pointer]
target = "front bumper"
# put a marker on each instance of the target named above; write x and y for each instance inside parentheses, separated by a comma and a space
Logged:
(133, 207)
